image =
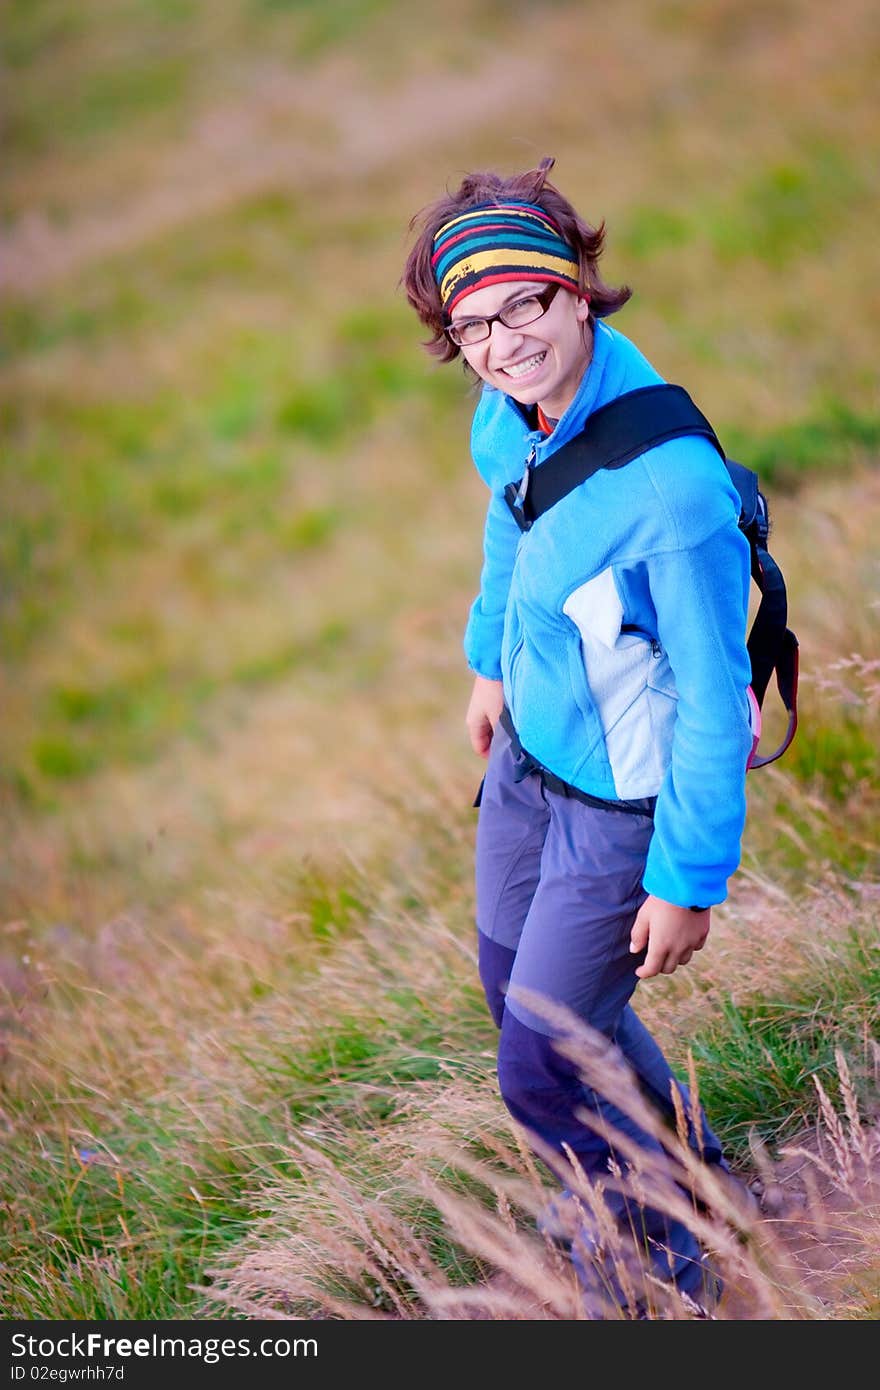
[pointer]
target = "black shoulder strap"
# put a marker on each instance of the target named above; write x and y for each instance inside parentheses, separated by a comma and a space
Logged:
(613, 436)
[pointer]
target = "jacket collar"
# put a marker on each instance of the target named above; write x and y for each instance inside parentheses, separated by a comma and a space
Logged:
(589, 396)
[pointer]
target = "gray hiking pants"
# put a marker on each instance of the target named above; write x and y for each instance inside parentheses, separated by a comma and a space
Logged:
(559, 884)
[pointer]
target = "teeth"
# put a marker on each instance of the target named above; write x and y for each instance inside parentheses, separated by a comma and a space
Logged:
(520, 368)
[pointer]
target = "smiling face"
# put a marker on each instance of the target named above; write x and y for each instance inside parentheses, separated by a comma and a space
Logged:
(539, 364)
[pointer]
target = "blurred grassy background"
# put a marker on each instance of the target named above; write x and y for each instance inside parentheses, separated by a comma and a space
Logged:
(240, 529)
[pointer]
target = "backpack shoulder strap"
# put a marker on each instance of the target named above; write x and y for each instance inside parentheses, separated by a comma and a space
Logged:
(613, 436)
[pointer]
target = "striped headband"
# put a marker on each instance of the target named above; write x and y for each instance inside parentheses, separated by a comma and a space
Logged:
(495, 242)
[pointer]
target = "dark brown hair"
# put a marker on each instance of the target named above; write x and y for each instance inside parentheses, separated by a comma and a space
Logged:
(490, 187)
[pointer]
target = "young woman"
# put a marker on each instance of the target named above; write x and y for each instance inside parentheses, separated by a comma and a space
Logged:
(610, 670)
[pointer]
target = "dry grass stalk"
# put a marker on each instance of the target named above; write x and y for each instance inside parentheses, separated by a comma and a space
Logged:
(844, 1171)
(858, 1142)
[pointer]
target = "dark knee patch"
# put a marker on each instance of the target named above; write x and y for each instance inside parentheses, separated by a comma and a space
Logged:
(496, 963)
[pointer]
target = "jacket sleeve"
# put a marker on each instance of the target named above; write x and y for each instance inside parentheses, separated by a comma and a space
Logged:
(482, 639)
(700, 596)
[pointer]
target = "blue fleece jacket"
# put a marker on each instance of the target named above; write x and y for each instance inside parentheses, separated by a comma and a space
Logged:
(617, 624)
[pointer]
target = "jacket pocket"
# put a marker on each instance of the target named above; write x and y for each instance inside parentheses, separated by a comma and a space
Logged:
(660, 676)
(630, 684)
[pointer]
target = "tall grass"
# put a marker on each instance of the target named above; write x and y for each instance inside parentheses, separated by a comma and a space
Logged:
(455, 1235)
(246, 1067)
(331, 1059)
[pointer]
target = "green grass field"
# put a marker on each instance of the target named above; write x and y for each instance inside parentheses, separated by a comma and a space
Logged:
(245, 1061)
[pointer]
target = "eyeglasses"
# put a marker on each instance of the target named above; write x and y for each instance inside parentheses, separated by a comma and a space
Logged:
(516, 315)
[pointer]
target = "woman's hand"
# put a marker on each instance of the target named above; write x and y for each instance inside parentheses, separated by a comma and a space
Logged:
(671, 934)
(483, 713)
